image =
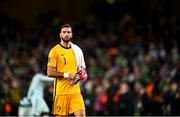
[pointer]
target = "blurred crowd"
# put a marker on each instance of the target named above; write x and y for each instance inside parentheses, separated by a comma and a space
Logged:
(133, 62)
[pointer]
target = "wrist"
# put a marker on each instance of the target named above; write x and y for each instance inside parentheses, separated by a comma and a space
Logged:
(66, 75)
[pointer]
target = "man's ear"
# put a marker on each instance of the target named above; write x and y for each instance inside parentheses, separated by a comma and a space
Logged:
(60, 35)
(72, 35)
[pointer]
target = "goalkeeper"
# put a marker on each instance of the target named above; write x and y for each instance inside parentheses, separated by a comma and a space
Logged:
(66, 64)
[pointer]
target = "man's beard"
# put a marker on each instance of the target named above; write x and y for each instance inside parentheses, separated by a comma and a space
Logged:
(66, 40)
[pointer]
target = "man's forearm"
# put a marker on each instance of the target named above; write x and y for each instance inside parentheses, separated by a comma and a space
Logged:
(55, 74)
(51, 72)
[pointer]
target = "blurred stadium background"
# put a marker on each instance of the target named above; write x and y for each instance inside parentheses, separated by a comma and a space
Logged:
(130, 46)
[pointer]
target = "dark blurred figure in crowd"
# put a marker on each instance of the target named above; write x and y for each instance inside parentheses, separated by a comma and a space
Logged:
(156, 103)
(124, 100)
(172, 98)
(112, 106)
(14, 96)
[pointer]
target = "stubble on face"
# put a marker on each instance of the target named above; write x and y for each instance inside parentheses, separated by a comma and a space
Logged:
(66, 39)
(66, 35)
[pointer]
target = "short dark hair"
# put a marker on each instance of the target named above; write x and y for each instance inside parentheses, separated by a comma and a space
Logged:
(65, 26)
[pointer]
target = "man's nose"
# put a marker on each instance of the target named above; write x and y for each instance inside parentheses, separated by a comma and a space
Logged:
(66, 33)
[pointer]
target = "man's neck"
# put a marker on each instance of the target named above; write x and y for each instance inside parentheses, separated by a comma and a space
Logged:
(65, 44)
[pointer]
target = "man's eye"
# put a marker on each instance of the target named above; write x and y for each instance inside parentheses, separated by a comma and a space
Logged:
(66, 31)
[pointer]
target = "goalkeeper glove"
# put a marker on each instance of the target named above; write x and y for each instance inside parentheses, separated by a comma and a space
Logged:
(81, 75)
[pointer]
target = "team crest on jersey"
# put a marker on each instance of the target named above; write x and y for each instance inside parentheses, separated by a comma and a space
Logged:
(62, 54)
(58, 108)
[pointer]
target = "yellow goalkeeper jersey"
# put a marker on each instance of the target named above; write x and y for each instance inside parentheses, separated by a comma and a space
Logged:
(64, 60)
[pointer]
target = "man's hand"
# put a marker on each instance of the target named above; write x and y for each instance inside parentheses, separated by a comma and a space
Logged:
(80, 76)
(74, 78)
